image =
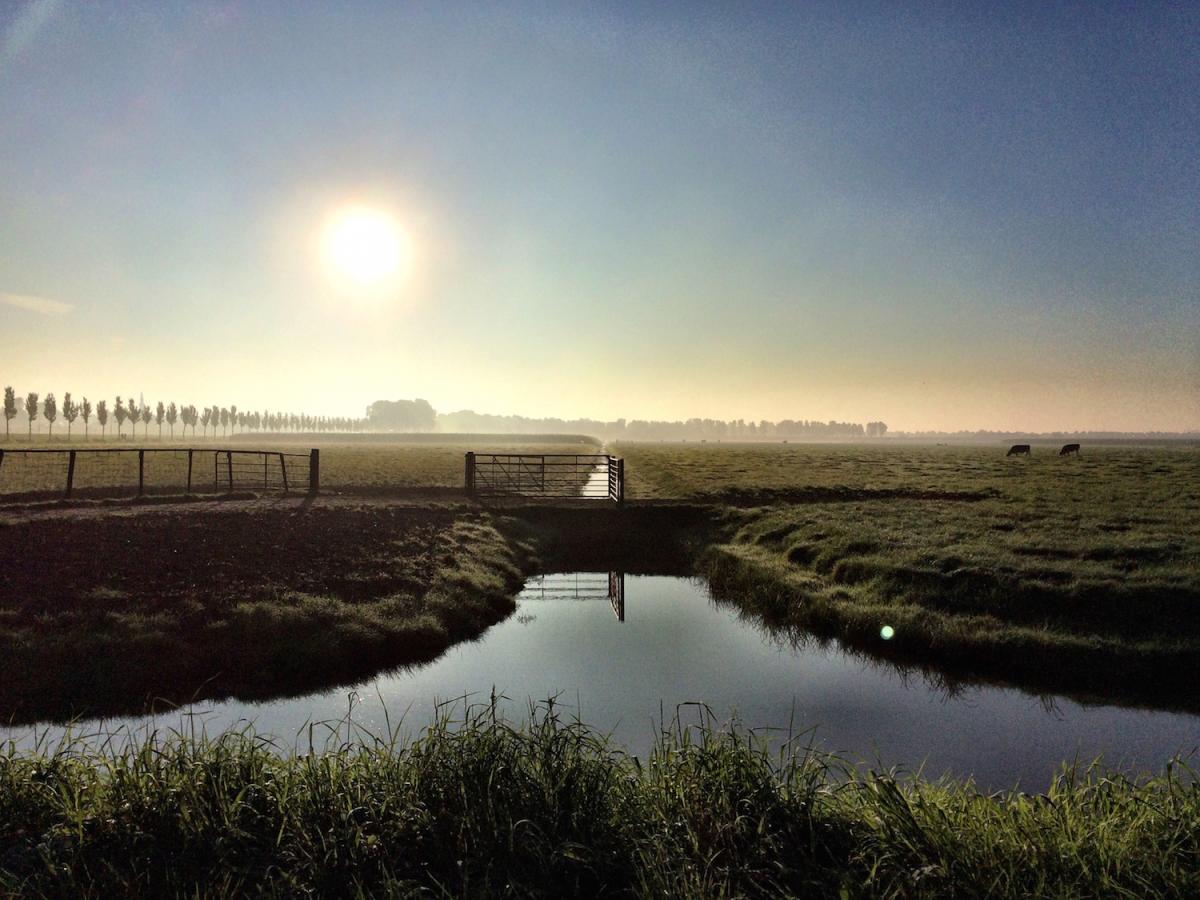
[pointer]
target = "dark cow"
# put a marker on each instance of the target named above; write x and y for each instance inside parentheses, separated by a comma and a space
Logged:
(1068, 449)
(1018, 450)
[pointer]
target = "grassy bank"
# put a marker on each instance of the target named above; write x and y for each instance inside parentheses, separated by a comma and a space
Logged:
(171, 605)
(1075, 575)
(484, 809)
(1072, 575)
(942, 624)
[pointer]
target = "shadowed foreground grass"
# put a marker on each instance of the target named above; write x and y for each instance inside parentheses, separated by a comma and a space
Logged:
(482, 808)
(161, 608)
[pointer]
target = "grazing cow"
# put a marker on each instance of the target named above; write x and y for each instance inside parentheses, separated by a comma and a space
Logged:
(1068, 449)
(1018, 450)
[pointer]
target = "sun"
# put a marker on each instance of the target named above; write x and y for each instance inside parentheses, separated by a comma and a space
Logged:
(363, 247)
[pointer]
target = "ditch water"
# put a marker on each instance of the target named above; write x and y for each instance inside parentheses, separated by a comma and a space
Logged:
(597, 483)
(623, 651)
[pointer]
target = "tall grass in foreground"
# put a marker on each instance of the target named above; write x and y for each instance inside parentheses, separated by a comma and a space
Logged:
(548, 808)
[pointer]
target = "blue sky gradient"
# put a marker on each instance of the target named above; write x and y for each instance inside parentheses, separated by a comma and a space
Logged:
(942, 215)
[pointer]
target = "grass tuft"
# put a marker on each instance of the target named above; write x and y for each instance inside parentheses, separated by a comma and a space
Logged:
(478, 806)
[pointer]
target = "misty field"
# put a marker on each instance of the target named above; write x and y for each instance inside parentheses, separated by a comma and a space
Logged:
(346, 465)
(1118, 522)
(1131, 474)
(356, 466)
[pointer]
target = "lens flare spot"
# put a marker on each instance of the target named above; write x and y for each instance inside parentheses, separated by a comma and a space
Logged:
(887, 632)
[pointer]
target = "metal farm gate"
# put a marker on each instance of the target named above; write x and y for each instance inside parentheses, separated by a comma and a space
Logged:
(562, 476)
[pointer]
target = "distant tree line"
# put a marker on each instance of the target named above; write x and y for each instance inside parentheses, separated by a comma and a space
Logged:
(990, 436)
(661, 430)
(229, 419)
(397, 416)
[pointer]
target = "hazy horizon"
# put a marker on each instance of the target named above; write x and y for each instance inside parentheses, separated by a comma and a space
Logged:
(947, 218)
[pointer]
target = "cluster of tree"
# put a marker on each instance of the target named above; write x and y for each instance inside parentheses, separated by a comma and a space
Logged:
(655, 430)
(401, 415)
(228, 418)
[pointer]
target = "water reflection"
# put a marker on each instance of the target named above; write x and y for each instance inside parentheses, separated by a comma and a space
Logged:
(579, 586)
(626, 673)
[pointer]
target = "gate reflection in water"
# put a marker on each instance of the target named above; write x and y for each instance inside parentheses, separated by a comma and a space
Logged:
(580, 586)
(684, 646)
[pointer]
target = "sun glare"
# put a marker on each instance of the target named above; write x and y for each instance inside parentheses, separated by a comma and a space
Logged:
(364, 248)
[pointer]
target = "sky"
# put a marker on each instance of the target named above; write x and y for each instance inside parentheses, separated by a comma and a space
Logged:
(945, 216)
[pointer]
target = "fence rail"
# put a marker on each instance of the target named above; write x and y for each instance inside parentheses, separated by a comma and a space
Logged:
(588, 476)
(124, 471)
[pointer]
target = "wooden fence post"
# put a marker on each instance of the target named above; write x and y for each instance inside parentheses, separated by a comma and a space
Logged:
(469, 473)
(189, 484)
(70, 472)
(229, 467)
(314, 471)
(141, 472)
(282, 470)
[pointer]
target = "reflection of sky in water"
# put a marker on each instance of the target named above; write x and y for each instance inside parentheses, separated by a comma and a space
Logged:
(676, 646)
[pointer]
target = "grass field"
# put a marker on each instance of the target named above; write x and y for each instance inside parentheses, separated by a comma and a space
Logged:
(173, 603)
(1075, 575)
(1068, 574)
(355, 466)
(548, 809)
(1125, 477)
(346, 465)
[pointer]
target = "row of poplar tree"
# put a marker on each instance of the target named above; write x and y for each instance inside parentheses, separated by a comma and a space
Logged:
(226, 418)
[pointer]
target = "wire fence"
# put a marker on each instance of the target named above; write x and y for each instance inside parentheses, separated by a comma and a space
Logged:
(108, 472)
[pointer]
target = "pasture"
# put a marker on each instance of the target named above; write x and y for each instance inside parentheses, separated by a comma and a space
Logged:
(1078, 574)
(1075, 575)
(347, 465)
(1117, 526)
(1070, 574)
(380, 467)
